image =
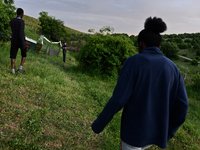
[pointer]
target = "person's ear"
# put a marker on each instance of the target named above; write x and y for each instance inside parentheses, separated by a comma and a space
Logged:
(141, 46)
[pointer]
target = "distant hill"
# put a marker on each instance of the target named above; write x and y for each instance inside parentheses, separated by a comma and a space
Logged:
(34, 23)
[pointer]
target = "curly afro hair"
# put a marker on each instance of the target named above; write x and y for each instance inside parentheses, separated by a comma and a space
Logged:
(150, 35)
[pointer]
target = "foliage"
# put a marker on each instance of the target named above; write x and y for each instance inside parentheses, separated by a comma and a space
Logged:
(53, 28)
(196, 84)
(32, 22)
(53, 105)
(184, 54)
(198, 52)
(182, 45)
(106, 29)
(197, 58)
(105, 54)
(91, 30)
(196, 46)
(170, 50)
(187, 40)
(7, 11)
(120, 34)
(195, 40)
(76, 37)
(30, 33)
(134, 39)
(189, 46)
(194, 62)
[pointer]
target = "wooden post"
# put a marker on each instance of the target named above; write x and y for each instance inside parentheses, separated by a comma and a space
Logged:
(50, 48)
(47, 49)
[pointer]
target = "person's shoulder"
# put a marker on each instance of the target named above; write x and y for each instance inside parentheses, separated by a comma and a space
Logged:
(13, 19)
(134, 57)
(21, 20)
(169, 61)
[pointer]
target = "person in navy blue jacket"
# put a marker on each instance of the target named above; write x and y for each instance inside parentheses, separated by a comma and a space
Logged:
(151, 91)
(18, 40)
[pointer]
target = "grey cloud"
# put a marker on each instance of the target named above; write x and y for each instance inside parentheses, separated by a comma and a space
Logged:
(126, 16)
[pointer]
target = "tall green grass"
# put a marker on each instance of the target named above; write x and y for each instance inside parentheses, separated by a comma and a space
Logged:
(53, 105)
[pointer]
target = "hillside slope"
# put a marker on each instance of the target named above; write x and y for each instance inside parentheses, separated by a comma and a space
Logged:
(34, 23)
(53, 104)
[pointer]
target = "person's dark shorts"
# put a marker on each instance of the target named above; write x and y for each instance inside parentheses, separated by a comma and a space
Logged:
(14, 50)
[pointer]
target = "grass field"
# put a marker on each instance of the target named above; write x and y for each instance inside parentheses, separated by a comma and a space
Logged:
(53, 104)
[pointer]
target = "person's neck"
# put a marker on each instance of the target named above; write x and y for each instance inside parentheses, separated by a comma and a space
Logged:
(19, 16)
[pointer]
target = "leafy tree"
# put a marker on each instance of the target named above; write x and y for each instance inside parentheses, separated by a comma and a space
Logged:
(194, 62)
(196, 46)
(198, 52)
(134, 39)
(106, 29)
(105, 54)
(7, 11)
(120, 34)
(196, 83)
(171, 40)
(187, 41)
(182, 45)
(53, 28)
(189, 46)
(195, 40)
(91, 30)
(170, 50)
(178, 40)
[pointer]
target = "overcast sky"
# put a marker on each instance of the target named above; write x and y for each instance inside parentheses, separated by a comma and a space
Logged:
(125, 16)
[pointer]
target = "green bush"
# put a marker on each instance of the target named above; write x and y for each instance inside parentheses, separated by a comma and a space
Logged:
(194, 62)
(198, 53)
(183, 45)
(184, 54)
(196, 46)
(196, 82)
(7, 11)
(170, 50)
(197, 58)
(105, 54)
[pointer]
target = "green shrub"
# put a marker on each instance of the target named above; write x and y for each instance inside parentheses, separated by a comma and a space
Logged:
(184, 54)
(196, 46)
(105, 54)
(198, 52)
(197, 58)
(7, 11)
(194, 62)
(170, 50)
(183, 45)
(196, 84)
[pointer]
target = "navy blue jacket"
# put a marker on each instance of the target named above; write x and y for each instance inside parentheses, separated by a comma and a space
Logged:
(151, 90)
(18, 36)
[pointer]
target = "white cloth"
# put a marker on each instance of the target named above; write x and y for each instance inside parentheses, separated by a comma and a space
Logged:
(125, 146)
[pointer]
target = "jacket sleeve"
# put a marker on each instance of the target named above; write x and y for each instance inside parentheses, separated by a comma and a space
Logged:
(121, 95)
(22, 35)
(179, 112)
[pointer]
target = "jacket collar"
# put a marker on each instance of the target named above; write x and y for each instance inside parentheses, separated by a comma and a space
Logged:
(152, 50)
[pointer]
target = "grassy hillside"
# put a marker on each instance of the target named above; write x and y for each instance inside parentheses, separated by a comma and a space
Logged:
(34, 23)
(53, 104)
